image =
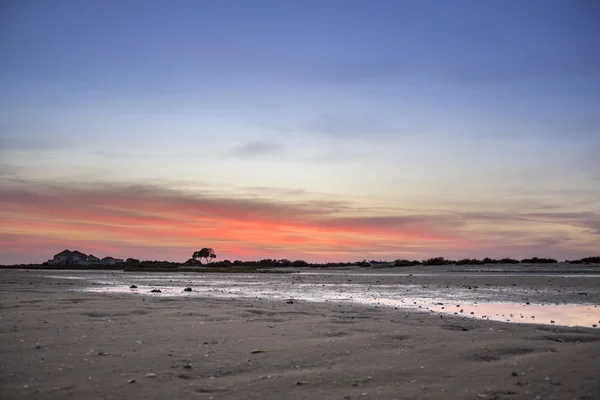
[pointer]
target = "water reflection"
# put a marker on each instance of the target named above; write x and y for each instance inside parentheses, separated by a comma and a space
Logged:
(455, 301)
(487, 302)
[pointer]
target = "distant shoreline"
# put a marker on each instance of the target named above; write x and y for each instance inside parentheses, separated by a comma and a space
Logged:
(522, 268)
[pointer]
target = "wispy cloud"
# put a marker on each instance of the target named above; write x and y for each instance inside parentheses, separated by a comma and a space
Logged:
(28, 142)
(10, 170)
(151, 217)
(346, 126)
(258, 148)
(160, 223)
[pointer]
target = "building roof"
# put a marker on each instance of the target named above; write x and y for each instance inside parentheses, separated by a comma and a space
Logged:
(64, 253)
(69, 253)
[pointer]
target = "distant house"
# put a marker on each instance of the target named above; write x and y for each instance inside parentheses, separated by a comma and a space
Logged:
(111, 261)
(79, 256)
(68, 257)
(62, 257)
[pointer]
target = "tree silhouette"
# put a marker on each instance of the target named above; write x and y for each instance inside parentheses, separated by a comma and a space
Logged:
(205, 252)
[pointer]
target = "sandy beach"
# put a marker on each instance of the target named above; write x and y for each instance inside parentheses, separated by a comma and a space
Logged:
(58, 342)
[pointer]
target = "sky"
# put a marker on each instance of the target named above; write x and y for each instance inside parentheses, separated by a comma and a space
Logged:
(318, 130)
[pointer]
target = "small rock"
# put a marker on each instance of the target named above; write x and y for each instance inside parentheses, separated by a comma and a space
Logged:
(133, 287)
(187, 289)
(150, 375)
(290, 301)
(131, 381)
(188, 366)
(515, 374)
(302, 383)
(156, 291)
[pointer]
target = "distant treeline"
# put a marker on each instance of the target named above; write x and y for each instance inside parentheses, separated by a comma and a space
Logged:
(284, 263)
(135, 264)
(487, 261)
(586, 260)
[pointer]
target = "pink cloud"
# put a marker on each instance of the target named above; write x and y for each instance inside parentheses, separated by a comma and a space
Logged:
(155, 223)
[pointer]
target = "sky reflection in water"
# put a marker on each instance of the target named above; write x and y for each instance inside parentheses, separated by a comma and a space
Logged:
(454, 301)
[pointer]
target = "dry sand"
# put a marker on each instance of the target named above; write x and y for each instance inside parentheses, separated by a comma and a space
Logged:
(57, 343)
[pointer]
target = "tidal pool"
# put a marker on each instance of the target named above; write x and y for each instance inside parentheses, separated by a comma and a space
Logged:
(489, 303)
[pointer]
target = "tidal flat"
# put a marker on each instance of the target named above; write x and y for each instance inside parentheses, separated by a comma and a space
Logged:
(353, 333)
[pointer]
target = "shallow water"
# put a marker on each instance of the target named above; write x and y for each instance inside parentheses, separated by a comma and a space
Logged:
(463, 274)
(487, 303)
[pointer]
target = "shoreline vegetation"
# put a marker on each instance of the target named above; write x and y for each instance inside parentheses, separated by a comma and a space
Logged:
(287, 266)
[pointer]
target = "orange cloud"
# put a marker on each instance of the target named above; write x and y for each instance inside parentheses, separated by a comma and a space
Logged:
(155, 223)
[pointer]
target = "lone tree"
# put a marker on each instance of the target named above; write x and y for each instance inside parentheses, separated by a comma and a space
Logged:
(205, 252)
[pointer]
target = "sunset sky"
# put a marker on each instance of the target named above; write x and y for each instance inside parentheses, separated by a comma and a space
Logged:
(317, 129)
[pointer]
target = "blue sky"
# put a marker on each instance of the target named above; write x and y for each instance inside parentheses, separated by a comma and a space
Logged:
(396, 108)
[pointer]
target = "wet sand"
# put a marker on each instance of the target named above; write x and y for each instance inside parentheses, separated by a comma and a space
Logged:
(59, 342)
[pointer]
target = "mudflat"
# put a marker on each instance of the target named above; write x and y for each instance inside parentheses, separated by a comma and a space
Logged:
(57, 342)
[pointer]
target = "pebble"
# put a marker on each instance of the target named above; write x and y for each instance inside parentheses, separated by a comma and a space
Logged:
(133, 287)
(150, 375)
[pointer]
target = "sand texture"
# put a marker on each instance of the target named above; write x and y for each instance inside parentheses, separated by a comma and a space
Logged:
(57, 343)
